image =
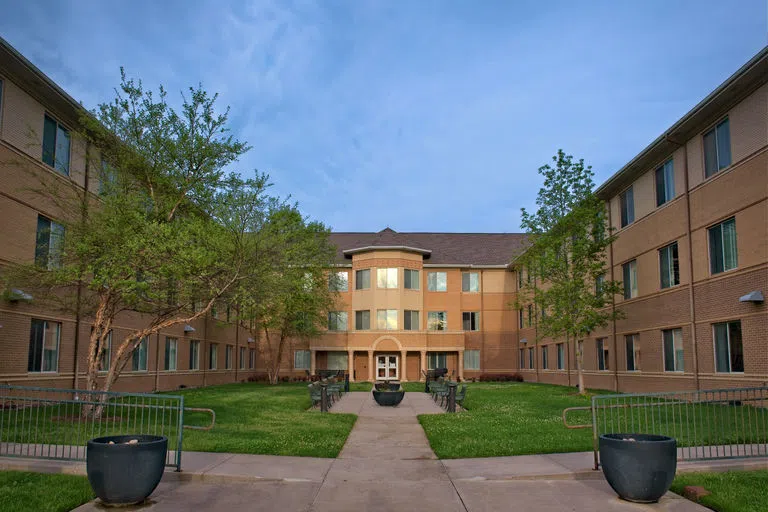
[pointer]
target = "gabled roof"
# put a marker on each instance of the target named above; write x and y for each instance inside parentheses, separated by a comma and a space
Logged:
(460, 249)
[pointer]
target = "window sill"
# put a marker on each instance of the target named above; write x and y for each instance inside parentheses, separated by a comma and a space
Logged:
(43, 373)
(711, 274)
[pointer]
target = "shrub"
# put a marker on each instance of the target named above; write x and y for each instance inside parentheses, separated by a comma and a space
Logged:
(501, 377)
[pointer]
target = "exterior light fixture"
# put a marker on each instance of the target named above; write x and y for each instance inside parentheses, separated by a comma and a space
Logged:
(189, 328)
(755, 297)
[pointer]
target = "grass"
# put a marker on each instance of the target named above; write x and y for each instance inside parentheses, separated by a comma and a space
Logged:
(734, 491)
(35, 492)
(508, 419)
(264, 419)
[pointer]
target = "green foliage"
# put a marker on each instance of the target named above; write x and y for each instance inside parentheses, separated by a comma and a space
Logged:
(35, 492)
(733, 491)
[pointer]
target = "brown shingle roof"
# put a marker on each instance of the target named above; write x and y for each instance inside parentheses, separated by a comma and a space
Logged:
(446, 248)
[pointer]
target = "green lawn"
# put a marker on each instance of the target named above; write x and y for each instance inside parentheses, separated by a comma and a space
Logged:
(35, 492)
(264, 419)
(509, 419)
(734, 491)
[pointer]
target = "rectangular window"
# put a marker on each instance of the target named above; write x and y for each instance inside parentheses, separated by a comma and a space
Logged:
(665, 183)
(530, 315)
(717, 148)
(44, 338)
(633, 352)
(520, 318)
(363, 279)
(602, 354)
(139, 363)
(729, 354)
(213, 356)
(544, 362)
(49, 243)
(107, 178)
(56, 145)
(629, 270)
(470, 321)
(337, 321)
(673, 350)
(242, 358)
(362, 320)
(471, 359)
(194, 355)
(106, 354)
(560, 356)
(251, 358)
(411, 320)
(386, 319)
(301, 359)
(437, 321)
(171, 346)
(599, 284)
(410, 279)
(521, 359)
(531, 364)
(723, 254)
(669, 266)
(627, 200)
(437, 360)
(437, 281)
(386, 277)
(338, 281)
(338, 361)
(470, 282)
(228, 357)
(520, 278)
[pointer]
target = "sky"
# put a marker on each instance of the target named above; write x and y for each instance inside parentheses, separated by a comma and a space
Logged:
(420, 115)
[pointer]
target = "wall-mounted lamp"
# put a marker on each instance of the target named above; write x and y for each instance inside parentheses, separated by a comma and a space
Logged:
(755, 297)
(16, 295)
(189, 328)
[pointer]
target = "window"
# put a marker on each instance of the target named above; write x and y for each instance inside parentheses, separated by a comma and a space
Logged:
(673, 350)
(49, 243)
(363, 279)
(470, 321)
(411, 320)
(544, 362)
(471, 359)
(44, 340)
(362, 320)
(213, 356)
(722, 247)
(560, 356)
(386, 277)
(171, 346)
(627, 200)
(194, 355)
(629, 270)
(669, 266)
(437, 281)
(520, 317)
(717, 148)
(633, 352)
(521, 358)
(242, 358)
(599, 284)
(251, 358)
(470, 282)
(437, 321)
(337, 321)
(665, 183)
(338, 361)
(602, 354)
(530, 315)
(338, 281)
(437, 360)
(301, 359)
(410, 279)
(107, 178)
(531, 364)
(139, 363)
(520, 278)
(106, 354)
(729, 354)
(386, 319)
(56, 145)
(228, 357)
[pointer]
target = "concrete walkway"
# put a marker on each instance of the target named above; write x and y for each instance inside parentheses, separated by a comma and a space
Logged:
(387, 464)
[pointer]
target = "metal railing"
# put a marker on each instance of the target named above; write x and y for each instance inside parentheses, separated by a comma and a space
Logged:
(708, 424)
(52, 423)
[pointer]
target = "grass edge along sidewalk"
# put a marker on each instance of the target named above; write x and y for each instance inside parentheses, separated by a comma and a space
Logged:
(732, 491)
(21, 491)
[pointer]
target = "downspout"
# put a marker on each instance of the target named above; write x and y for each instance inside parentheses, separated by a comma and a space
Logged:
(157, 363)
(204, 343)
(613, 311)
(482, 323)
(691, 295)
(79, 300)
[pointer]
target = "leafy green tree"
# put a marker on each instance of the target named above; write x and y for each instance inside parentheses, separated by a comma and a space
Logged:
(566, 259)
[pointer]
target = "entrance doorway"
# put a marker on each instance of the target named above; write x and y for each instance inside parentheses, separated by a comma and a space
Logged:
(387, 367)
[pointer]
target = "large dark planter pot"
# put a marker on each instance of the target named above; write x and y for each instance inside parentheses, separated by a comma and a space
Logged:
(387, 386)
(124, 474)
(388, 398)
(639, 467)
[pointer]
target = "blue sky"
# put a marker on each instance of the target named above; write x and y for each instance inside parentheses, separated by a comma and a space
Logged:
(420, 115)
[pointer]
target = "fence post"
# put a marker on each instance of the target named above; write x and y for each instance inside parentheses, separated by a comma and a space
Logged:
(323, 397)
(180, 434)
(346, 382)
(452, 396)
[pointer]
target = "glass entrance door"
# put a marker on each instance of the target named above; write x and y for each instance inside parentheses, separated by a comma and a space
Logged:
(387, 367)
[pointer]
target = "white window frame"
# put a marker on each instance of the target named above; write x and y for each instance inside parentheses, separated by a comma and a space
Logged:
(433, 282)
(106, 355)
(196, 352)
(434, 358)
(143, 345)
(666, 253)
(408, 313)
(338, 281)
(435, 323)
(299, 358)
(336, 319)
(633, 288)
(472, 359)
(413, 280)
(171, 348)
(55, 247)
(635, 352)
(729, 346)
(544, 357)
(357, 328)
(713, 130)
(62, 128)
(476, 315)
(251, 358)
(47, 324)
(229, 352)
(676, 340)
(720, 225)
(213, 356)
(384, 318)
(241, 362)
(358, 274)
(630, 207)
(560, 356)
(668, 174)
(603, 354)
(469, 287)
(387, 276)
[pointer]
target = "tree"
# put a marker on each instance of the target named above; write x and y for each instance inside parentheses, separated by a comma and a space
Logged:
(156, 241)
(566, 258)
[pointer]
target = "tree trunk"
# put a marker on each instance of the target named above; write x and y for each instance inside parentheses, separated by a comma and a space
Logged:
(580, 368)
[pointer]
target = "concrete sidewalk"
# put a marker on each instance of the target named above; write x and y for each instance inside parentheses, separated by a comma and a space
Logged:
(387, 464)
